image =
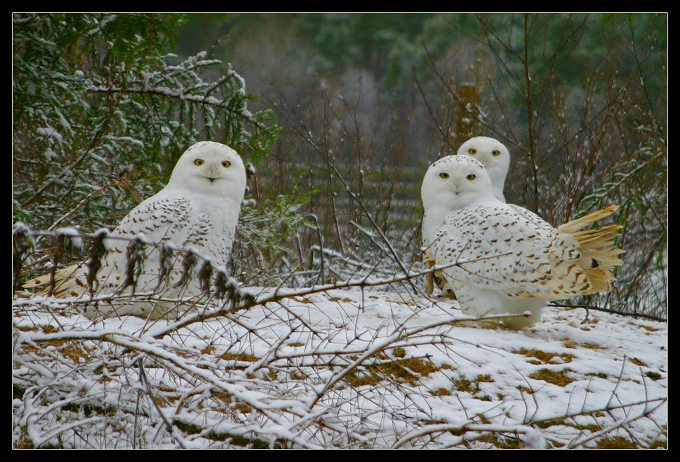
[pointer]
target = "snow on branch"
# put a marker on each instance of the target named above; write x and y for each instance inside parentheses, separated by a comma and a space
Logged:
(310, 367)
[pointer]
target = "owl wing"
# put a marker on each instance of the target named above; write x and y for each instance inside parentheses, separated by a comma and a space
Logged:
(498, 248)
(161, 218)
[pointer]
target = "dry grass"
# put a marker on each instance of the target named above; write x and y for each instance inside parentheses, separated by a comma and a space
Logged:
(638, 362)
(544, 357)
(616, 442)
(558, 378)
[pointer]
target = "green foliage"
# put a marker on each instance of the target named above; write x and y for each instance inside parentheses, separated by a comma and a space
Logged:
(639, 187)
(102, 112)
(266, 235)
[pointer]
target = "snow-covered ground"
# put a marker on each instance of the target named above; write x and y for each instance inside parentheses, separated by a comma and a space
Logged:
(344, 368)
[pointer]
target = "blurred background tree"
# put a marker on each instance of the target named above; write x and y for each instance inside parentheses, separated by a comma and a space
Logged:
(364, 102)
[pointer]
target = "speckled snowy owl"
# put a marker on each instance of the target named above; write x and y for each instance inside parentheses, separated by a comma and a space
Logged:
(496, 159)
(504, 259)
(199, 209)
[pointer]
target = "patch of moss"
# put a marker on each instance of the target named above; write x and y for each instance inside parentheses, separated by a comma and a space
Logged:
(402, 370)
(500, 443)
(550, 423)
(25, 441)
(563, 422)
(616, 442)
(238, 440)
(546, 358)
(296, 344)
(483, 418)
(75, 353)
(593, 346)
(188, 428)
(51, 446)
(465, 386)
(638, 362)
(338, 299)
(558, 378)
(590, 427)
(441, 392)
(222, 396)
(601, 375)
(419, 366)
(25, 328)
(569, 343)
(243, 407)
(89, 409)
(298, 376)
(238, 357)
(17, 392)
(399, 352)
(649, 328)
(472, 386)
(369, 378)
(653, 375)
(658, 445)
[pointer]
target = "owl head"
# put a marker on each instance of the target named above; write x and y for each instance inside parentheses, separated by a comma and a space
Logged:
(454, 182)
(492, 154)
(211, 168)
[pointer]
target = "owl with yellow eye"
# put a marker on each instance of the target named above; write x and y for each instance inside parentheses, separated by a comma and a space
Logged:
(199, 209)
(500, 258)
(493, 155)
(495, 158)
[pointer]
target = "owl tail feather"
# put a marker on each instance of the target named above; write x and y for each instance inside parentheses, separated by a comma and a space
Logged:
(66, 283)
(599, 253)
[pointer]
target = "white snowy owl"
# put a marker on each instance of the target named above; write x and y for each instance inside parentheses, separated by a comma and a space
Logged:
(493, 155)
(199, 209)
(506, 259)
(496, 159)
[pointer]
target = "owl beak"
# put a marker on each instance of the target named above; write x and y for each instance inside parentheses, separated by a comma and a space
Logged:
(456, 187)
(212, 173)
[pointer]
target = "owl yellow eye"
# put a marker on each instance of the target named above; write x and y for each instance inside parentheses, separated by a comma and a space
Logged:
(471, 176)
(198, 162)
(496, 153)
(444, 175)
(472, 151)
(226, 164)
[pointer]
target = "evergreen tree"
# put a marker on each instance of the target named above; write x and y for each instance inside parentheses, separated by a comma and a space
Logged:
(102, 112)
